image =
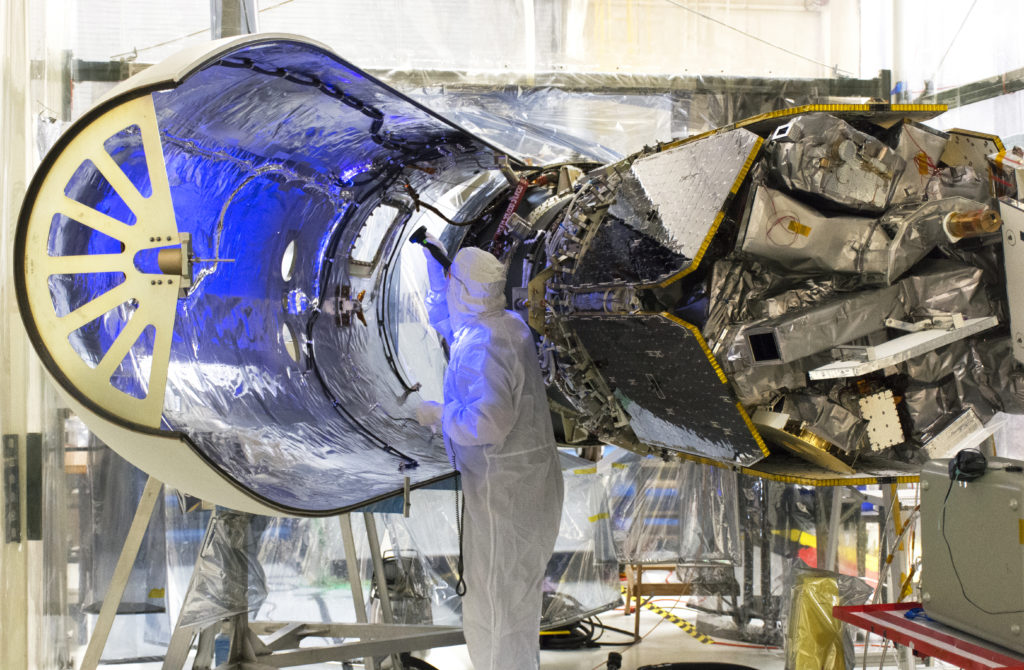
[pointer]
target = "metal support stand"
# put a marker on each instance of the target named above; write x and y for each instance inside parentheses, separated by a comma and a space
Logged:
(122, 572)
(904, 655)
(387, 614)
(832, 550)
(769, 604)
(265, 645)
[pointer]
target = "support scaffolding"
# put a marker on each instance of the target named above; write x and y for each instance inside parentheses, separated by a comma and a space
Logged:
(256, 645)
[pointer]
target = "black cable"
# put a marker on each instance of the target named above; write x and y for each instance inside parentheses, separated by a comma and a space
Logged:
(460, 511)
(410, 662)
(583, 634)
(578, 635)
(952, 562)
(430, 208)
(329, 254)
(605, 627)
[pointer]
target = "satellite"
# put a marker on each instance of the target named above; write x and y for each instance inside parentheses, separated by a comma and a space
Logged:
(213, 265)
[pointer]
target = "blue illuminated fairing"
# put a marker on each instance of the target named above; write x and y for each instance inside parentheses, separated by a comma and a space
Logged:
(269, 144)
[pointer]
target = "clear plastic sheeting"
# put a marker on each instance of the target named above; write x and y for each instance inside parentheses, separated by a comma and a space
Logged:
(228, 579)
(672, 511)
(549, 125)
(814, 639)
(61, 469)
(582, 577)
(106, 508)
(598, 118)
(710, 515)
(273, 569)
(307, 570)
(743, 599)
(425, 547)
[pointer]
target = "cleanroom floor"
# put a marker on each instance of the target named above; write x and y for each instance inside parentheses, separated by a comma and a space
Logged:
(662, 642)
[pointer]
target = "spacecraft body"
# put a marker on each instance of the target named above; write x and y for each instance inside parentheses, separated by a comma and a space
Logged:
(837, 271)
(214, 266)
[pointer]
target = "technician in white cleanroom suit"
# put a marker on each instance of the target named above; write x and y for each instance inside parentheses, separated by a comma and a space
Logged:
(497, 429)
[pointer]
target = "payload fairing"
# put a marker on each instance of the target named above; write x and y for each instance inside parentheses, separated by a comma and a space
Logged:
(213, 266)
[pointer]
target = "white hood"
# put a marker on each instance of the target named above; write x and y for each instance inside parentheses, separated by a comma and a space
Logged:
(476, 286)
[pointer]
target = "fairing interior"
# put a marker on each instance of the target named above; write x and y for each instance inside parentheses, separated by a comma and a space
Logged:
(282, 369)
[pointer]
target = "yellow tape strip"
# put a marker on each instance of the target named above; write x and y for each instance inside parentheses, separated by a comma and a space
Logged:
(682, 624)
(718, 219)
(585, 471)
(919, 108)
(794, 479)
(810, 481)
(799, 228)
(982, 136)
(597, 517)
(753, 429)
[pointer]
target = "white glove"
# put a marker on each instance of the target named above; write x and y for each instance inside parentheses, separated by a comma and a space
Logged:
(428, 414)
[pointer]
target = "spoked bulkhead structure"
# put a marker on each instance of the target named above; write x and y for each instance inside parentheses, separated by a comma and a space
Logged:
(208, 264)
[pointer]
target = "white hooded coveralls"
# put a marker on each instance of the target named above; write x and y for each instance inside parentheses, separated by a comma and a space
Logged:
(497, 428)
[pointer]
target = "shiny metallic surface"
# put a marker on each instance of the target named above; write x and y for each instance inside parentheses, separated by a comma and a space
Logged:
(788, 233)
(274, 146)
(838, 320)
(920, 147)
(823, 156)
(674, 196)
(674, 292)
